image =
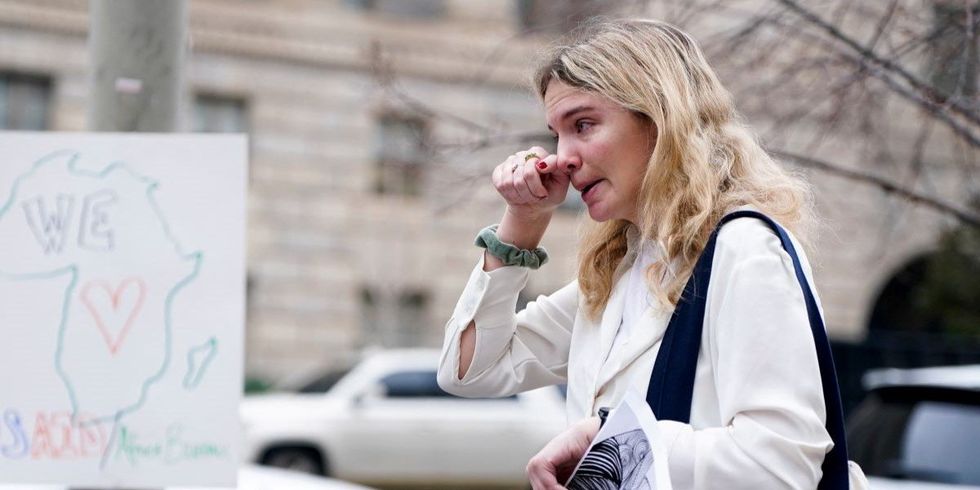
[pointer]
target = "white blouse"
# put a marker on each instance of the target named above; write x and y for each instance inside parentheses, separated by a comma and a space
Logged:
(638, 299)
(757, 414)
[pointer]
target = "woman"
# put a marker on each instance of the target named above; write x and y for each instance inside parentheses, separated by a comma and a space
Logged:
(650, 138)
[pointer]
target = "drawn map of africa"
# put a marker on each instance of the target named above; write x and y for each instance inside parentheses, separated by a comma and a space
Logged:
(114, 335)
(122, 308)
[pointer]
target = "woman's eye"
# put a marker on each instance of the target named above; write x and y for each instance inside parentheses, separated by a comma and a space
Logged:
(582, 125)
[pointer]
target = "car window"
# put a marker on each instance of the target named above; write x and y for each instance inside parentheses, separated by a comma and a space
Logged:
(941, 442)
(413, 384)
(417, 384)
(321, 383)
(897, 434)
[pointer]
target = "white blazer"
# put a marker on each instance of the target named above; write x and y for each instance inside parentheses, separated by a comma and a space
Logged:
(757, 414)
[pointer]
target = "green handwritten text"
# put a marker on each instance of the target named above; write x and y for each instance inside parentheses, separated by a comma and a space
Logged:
(174, 449)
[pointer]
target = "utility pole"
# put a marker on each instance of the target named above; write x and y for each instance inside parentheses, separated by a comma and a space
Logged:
(136, 50)
(136, 63)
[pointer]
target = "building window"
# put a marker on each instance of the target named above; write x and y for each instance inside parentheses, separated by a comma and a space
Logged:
(249, 290)
(413, 312)
(557, 17)
(220, 114)
(398, 318)
(401, 149)
(953, 68)
(416, 9)
(24, 101)
(370, 317)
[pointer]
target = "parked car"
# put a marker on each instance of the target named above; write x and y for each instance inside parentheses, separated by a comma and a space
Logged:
(919, 428)
(250, 477)
(387, 421)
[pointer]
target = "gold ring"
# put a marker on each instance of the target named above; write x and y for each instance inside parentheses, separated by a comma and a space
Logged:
(530, 156)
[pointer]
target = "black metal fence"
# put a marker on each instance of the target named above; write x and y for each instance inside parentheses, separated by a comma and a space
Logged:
(900, 350)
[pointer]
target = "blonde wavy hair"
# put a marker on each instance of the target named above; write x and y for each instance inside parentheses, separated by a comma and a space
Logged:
(705, 163)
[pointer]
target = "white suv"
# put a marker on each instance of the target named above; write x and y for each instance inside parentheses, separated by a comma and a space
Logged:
(919, 428)
(387, 421)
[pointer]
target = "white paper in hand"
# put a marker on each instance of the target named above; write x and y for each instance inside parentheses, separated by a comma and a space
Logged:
(627, 453)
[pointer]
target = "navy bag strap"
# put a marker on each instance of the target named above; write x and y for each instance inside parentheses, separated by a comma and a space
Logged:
(672, 381)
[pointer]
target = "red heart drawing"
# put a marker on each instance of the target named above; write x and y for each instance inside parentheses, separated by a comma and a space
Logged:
(114, 310)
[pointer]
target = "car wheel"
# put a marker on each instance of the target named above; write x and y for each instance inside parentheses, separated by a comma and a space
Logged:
(302, 459)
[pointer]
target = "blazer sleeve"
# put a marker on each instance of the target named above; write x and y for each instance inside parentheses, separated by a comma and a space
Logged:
(514, 351)
(766, 374)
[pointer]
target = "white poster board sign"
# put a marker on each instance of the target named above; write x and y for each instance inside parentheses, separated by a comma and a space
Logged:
(121, 308)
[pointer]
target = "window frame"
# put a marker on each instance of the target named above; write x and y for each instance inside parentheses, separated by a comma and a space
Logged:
(406, 176)
(43, 81)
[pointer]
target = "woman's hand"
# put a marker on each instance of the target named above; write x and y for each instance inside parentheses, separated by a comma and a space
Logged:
(557, 460)
(533, 187)
(530, 182)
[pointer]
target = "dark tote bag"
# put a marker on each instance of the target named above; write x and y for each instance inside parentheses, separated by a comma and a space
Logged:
(672, 382)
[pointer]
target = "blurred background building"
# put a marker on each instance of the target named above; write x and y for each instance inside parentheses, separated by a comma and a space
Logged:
(374, 125)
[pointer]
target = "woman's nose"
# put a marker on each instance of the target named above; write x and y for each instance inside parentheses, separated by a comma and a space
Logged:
(568, 163)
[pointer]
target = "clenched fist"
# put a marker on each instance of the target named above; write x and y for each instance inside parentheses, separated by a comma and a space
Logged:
(530, 182)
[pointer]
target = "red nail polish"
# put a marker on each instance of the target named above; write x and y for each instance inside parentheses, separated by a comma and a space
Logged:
(542, 165)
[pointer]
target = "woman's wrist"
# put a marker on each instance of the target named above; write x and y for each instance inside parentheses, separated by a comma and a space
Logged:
(523, 228)
(530, 213)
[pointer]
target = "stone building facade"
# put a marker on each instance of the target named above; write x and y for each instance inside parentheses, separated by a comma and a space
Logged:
(366, 186)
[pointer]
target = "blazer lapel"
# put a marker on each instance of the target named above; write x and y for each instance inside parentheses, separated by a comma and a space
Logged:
(612, 316)
(591, 341)
(646, 335)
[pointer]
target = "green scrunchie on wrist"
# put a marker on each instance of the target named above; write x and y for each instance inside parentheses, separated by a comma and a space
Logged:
(509, 254)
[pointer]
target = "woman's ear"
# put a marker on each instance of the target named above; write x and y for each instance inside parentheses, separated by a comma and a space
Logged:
(651, 128)
(650, 125)
(654, 133)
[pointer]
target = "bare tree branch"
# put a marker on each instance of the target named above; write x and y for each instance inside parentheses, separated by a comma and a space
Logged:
(385, 76)
(885, 185)
(919, 98)
(882, 24)
(933, 108)
(801, 76)
(928, 93)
